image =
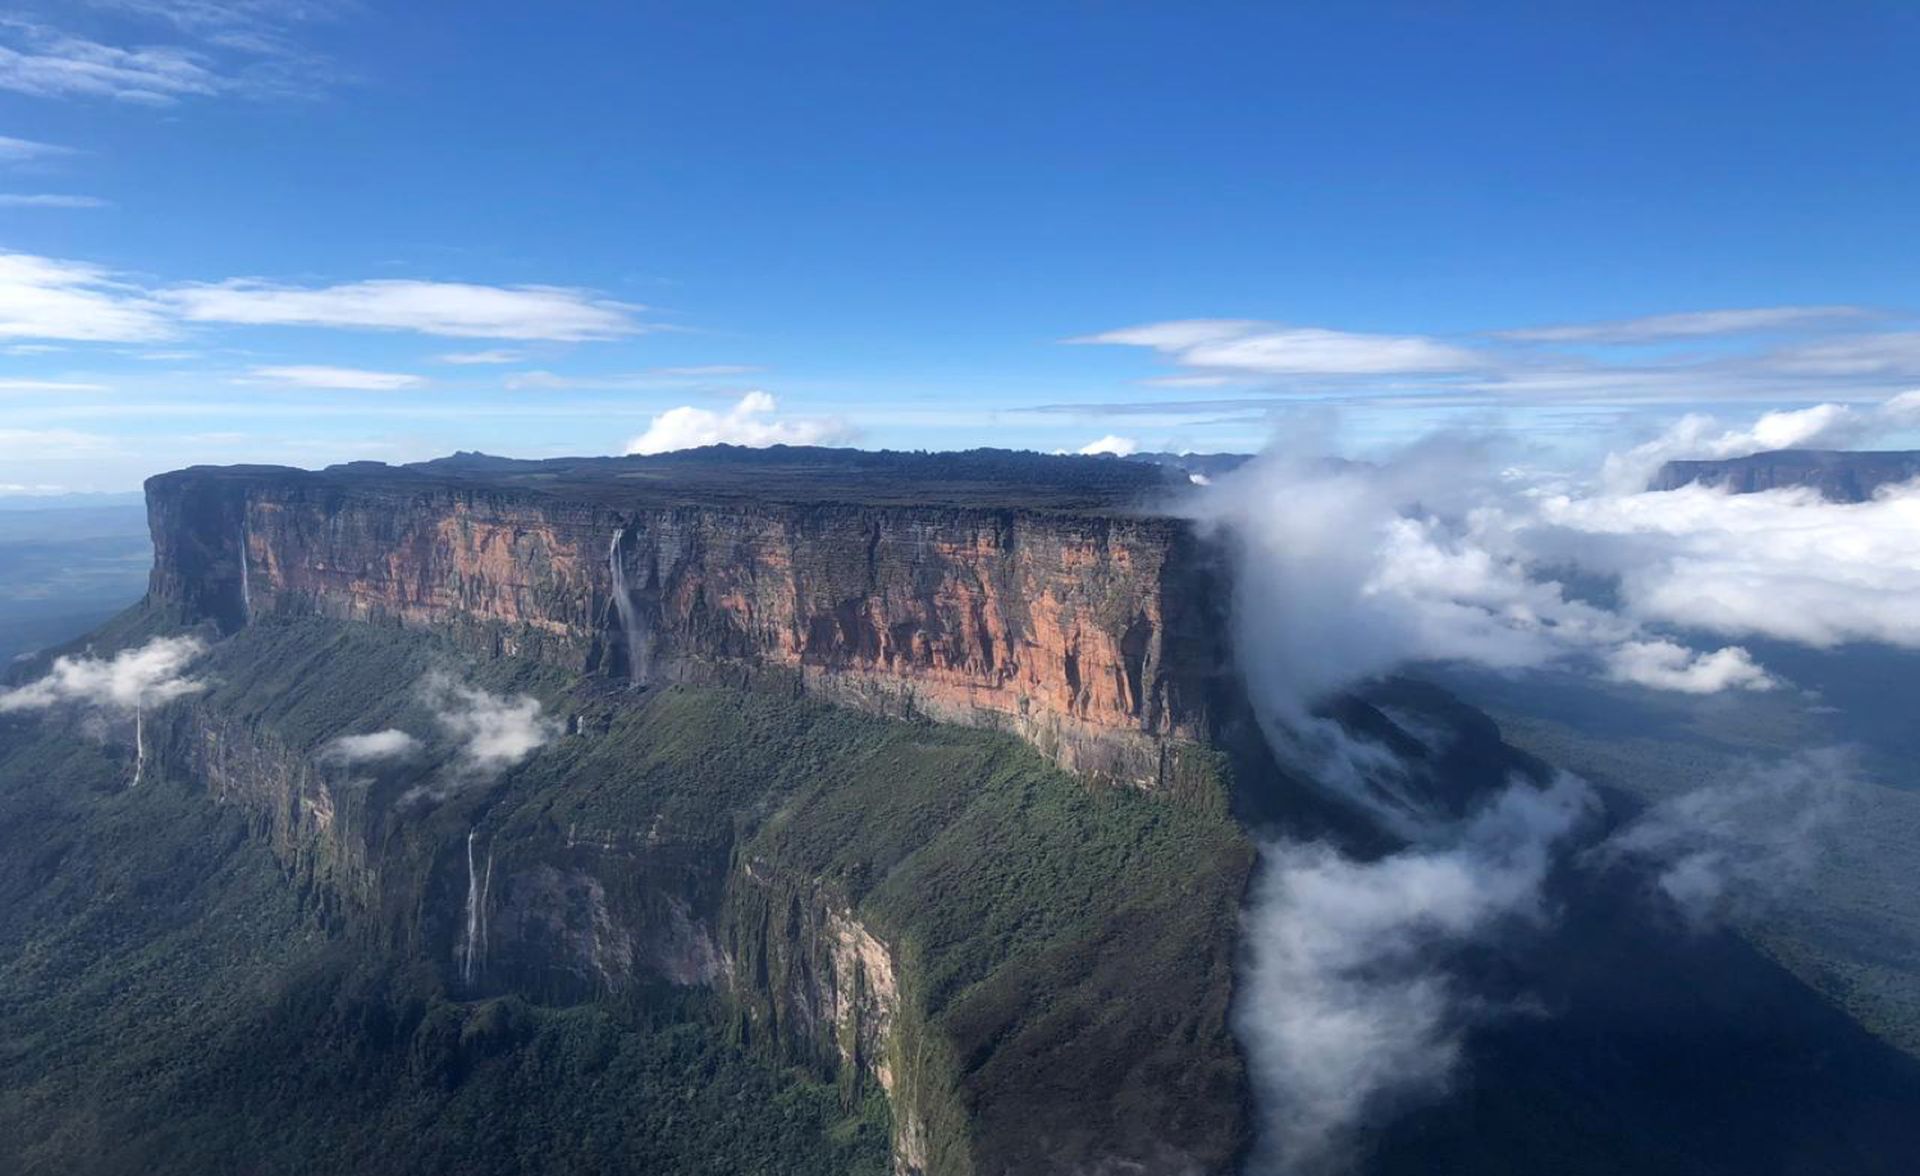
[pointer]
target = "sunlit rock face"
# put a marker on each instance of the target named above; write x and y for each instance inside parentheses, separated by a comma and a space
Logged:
(1087, 629)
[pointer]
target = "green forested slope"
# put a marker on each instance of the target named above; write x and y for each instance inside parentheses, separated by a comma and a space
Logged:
(174, 998)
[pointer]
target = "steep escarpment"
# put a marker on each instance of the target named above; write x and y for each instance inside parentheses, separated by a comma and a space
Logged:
(1006, 969)
(1089, 630)
(1839, 475)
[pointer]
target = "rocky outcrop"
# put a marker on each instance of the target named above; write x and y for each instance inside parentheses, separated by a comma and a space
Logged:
(1839, 476)
(1088, 632)
(563, 917)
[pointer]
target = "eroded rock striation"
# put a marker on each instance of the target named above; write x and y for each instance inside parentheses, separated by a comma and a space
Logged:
(1052, 598)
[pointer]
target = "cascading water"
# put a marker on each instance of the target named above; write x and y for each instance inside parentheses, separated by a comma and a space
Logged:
(638, 643)
(246, 580)
(139, 742)
(473, 953)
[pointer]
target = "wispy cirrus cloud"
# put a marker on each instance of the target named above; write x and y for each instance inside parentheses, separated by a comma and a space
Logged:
(11, 384)
(696, 376)
(17, 444)
(16, 151)
(50, 200)
(163, 52)
(343, 378)
(471, 358)
(44, 298)
(1888, 353)
(46, 63)
(1777, 354)
(1248, 346)
(1689, 325)
(453, 309)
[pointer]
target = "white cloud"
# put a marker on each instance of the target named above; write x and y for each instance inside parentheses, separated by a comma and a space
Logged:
(1238, 345)
(702, 371)
(749, 423)
(1740, 842)
(1894, 354)
(467, 358)
(452, 309)
(14, 150)
(1785, 564)
(544, 381)
(43, 298)
(1346, 1007)
(1611, 363)
(40, 443)
(131, 679)
(377, 745)
(49, 64)
(320, 376)
(242, 48)
(495, 733)
(1697, 435)
(50, 200)
(1690, 324)
(1663, 665)
(1188, 381)
(1344, 572)
(13, 385)
(697, 375)
(1116, 445)
(48, 298)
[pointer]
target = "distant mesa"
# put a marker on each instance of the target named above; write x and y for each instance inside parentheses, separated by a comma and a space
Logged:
(1839, 475)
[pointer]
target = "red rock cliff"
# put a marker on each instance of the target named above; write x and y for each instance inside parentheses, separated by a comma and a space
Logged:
(1088, 632)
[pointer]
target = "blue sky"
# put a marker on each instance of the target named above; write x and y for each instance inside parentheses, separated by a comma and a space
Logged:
(256, 229)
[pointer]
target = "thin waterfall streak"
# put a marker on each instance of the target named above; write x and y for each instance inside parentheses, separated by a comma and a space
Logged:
(486, 888)
(630, 630)
(473, 915)
(246, 576)
(139, 743)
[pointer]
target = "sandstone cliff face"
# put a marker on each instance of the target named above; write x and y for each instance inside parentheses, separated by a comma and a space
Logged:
(1089, 635)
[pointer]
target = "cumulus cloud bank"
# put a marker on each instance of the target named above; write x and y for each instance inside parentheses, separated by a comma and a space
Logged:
(1345, 572)
(130, 680)
(1698, 435)
(749, 422)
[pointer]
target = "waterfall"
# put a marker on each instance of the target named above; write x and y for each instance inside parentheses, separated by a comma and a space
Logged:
(638, 645)
(473, 952)
(139, 743)
(246, 582)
